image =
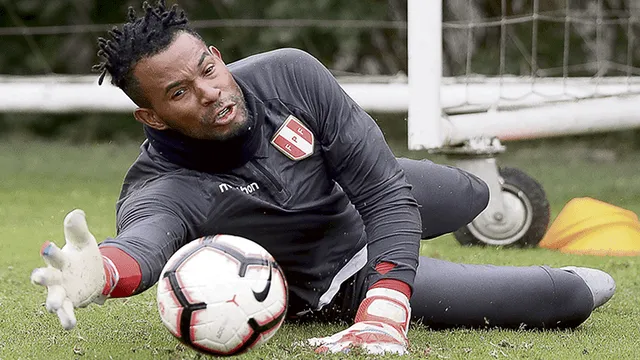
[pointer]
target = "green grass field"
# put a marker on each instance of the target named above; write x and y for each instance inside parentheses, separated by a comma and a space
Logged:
(40, 182)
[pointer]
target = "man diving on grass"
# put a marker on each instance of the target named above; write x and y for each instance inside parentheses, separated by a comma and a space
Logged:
(338, 211)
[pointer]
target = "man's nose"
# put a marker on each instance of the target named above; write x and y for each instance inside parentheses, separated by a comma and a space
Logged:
(208, 94)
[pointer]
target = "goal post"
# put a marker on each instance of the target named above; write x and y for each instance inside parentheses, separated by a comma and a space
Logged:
(529, 69)
(424, 31)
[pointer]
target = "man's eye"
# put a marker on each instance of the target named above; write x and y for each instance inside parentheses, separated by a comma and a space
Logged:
(178, 93)
(209, 69)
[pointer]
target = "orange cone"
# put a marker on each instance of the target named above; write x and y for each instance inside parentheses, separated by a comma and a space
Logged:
(590, 226)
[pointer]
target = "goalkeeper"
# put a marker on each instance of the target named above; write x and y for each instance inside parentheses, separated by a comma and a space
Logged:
(270, 148)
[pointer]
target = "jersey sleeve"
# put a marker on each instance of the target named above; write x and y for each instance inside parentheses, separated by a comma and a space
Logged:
(152, 224)
(362, 163)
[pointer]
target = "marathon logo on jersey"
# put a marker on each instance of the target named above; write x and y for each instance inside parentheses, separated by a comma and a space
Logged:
(294, 139)
(248, 189)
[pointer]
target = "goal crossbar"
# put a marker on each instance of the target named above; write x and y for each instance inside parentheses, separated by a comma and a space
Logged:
(506, 108)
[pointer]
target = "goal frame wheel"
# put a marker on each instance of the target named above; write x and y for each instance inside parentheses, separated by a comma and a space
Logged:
(525, 219)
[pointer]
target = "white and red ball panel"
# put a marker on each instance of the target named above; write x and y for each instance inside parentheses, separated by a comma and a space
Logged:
(220, 325)
(202, 282)
(169, 307)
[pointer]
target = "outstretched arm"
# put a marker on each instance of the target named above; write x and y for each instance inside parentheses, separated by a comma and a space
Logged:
(151, 226)
(81, 273)
(134, 259)
(153, 222)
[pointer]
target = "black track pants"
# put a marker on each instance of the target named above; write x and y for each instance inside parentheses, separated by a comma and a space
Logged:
(449, 198)
(447, 294)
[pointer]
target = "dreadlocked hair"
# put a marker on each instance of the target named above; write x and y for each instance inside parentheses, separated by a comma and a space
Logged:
(138, 38)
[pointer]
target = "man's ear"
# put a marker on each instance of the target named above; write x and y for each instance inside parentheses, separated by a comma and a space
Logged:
(214, 51)
(149, 118)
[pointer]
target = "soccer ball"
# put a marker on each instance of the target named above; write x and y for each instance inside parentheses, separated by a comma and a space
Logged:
(222, 295)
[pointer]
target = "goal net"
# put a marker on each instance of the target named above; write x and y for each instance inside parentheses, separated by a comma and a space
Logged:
(510, 69)
(556, 66)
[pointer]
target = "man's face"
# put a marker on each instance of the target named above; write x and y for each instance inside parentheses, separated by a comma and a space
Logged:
(190, 90)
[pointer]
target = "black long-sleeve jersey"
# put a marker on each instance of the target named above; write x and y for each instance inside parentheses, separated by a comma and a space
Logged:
(321, 191)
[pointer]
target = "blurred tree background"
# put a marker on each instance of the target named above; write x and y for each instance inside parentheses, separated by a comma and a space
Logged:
(359, 37)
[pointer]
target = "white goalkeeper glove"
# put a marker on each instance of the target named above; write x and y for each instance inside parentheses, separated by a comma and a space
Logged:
(380, 327)
(75, 275)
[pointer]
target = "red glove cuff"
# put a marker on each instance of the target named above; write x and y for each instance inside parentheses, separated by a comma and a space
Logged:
(393, 284)
(122, 271)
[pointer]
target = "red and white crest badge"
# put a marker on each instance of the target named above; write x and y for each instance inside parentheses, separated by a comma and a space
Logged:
(294, 139)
